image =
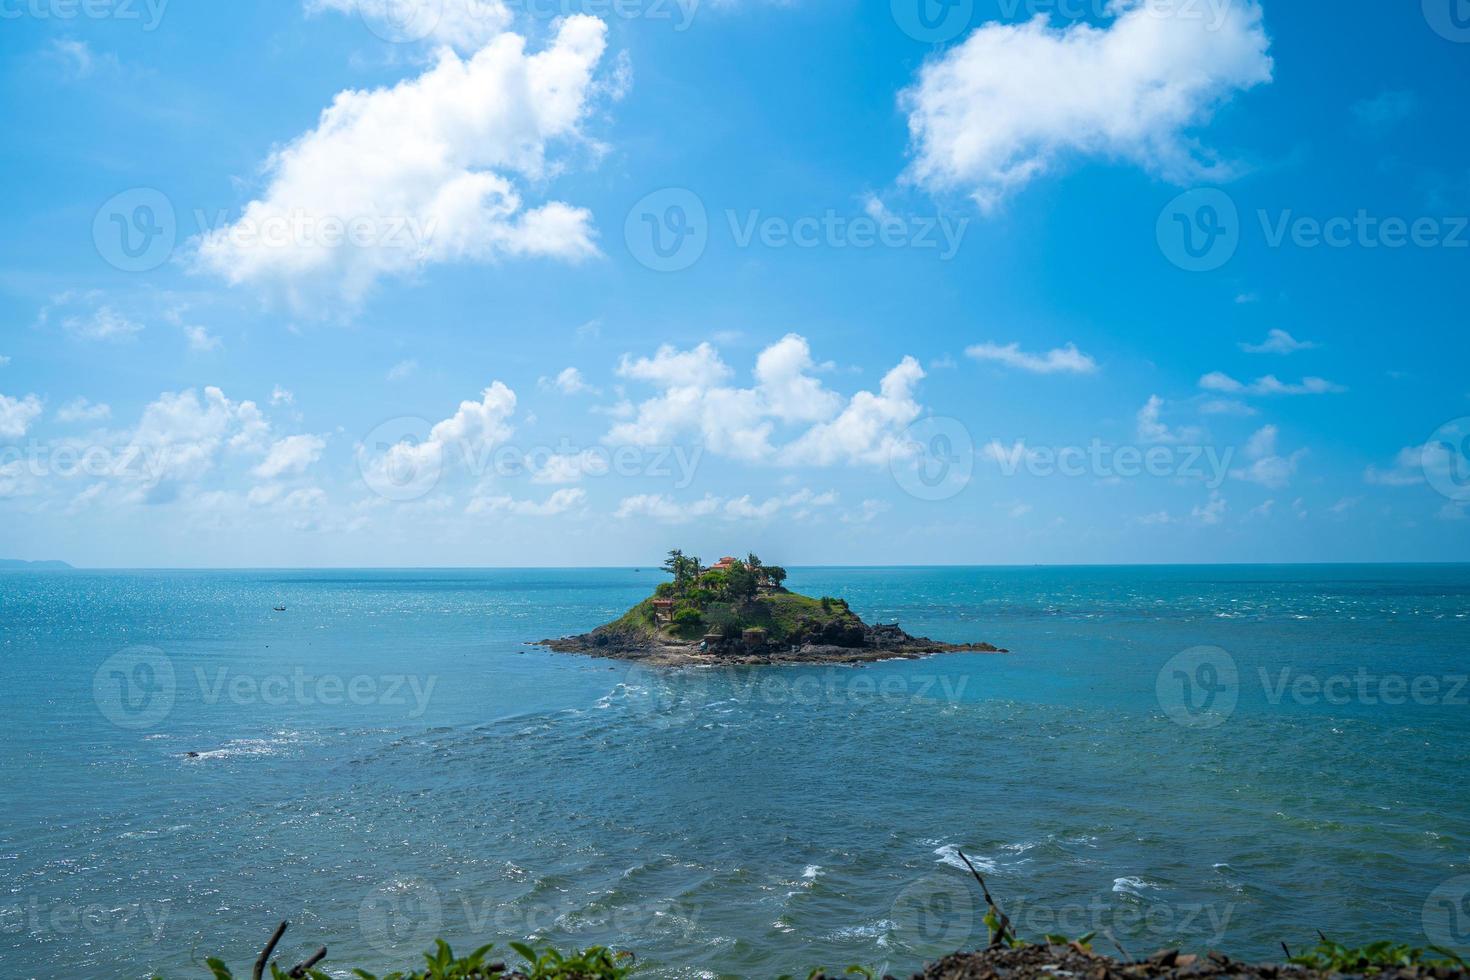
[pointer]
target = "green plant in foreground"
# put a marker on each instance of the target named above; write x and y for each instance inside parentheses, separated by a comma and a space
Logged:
(594, 963)
(1329, 956)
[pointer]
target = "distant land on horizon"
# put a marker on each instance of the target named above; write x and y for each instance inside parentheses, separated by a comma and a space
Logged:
(22, 563)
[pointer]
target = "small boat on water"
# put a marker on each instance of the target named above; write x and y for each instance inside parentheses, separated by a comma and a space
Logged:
(279, 608)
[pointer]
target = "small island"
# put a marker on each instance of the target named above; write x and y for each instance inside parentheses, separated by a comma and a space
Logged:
(739, 612)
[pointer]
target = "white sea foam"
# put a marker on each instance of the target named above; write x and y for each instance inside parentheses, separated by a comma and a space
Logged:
(1132, 885)
(949, 854)
(248, 747)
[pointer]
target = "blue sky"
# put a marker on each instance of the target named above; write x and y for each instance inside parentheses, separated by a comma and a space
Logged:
(464, 282)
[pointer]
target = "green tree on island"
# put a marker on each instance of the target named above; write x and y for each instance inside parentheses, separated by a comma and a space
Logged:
(684, 568)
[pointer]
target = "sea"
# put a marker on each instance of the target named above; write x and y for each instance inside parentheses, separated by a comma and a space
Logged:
(1209, 757)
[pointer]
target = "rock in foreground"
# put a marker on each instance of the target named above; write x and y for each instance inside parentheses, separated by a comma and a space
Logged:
(1073, 962)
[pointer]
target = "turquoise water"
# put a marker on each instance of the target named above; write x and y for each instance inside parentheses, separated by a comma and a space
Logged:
(385, 761)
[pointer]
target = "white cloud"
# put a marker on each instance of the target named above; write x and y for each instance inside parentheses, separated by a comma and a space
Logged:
(280, 396)
(103, 323)
(471, 431)
(1278, 342)
(743, 422)
(672, 368)
(201, 339)
(1226, 406)
(798, 505)
(465, 25)
(1212, 512)
(1066, 359)
(568, 381)
(559, 502)
(1220, 381)
(402, 369)
(4, 359)
(1153, 430)
(1012, 100)
(1411, 465)
(570, 467)
(658, 507)
(866, 513)
(181, 436)
(292, 454)
(17, 414)
(790, 393)
(274, 495)
(395, 179)
(75, 57)
(1267, 467)
(305, 498)
(1268, 385)
(1009, 458)
(868, 429)
(82, 410)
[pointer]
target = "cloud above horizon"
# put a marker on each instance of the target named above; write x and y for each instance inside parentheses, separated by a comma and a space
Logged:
(1278, 342)
(465, 25)
(1267, 466)
(1061, 360)
(1268, 385)
(1014, 101)
(396, 179)
(696, 399)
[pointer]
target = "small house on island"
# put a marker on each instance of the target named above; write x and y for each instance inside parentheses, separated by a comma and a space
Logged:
(663, 610)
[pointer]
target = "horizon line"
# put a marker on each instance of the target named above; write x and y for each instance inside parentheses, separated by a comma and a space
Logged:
(658, 566)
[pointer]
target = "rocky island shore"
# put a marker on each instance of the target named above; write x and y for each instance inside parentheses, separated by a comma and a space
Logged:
(739, 612)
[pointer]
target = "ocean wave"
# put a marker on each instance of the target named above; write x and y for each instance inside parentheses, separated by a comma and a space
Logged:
(249, 747)
(950, 854)
(1133, 885)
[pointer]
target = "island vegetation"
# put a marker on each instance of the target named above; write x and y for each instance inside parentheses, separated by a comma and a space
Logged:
(738, 610)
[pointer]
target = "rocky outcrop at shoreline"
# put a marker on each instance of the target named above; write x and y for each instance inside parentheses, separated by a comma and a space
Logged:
(1076, 962)
(827, 643)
